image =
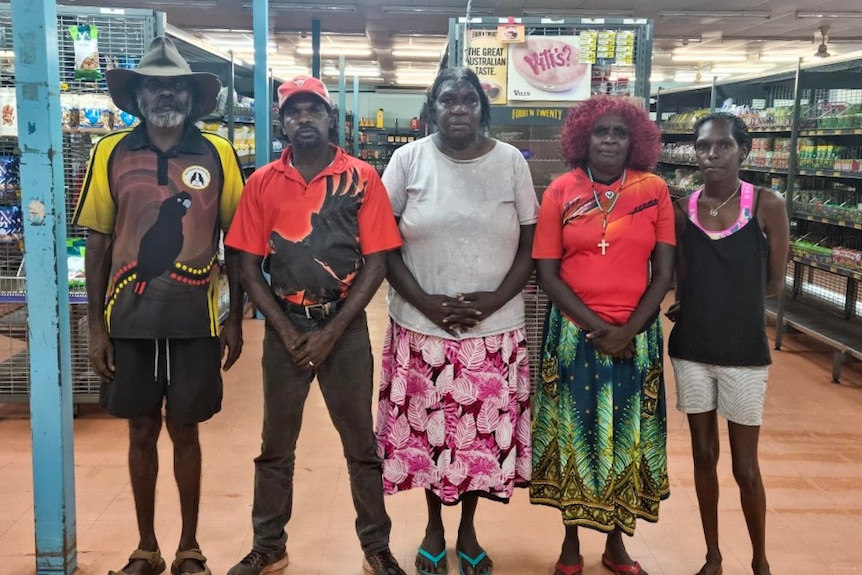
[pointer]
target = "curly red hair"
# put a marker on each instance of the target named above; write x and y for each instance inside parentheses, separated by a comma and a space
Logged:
(644, 135)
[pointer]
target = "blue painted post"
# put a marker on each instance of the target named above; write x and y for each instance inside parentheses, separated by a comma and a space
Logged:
(342, 101)
(315, 48)
(356, 115)
(37, 89)
(262, 98)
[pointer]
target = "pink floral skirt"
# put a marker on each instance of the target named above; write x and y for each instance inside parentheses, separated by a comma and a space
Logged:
(454, 415)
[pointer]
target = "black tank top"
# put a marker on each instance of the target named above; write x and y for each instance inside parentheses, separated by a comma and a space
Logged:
(722, 318)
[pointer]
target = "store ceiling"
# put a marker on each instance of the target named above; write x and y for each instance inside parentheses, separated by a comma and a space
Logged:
(399, 42)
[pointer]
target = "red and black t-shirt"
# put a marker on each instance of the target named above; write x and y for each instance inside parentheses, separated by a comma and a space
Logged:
(314, 235)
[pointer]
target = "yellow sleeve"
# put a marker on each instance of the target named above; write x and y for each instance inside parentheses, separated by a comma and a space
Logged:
(96, 209)
(234, 180)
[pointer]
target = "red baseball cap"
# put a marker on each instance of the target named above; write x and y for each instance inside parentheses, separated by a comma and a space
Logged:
(303, 85)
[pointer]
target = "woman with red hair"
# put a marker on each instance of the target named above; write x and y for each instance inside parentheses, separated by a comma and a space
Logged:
(604, 251)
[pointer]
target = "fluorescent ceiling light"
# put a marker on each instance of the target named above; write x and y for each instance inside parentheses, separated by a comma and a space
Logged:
(827, 14)
(402, 53)
(575, 13)
(435, 10)
(298, 7)
(708, 58)
(721, 71)
(336, 51)
(765, 14)
(780, 57)
(353, 71)
(188, 3)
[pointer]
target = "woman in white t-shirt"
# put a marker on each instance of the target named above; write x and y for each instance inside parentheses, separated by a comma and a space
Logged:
(454, 410)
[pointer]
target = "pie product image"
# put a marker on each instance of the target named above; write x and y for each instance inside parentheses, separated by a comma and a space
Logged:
(549, 64)
(492, 89)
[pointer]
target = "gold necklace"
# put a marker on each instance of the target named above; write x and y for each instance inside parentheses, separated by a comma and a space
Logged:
(714, 211)
(606, 212)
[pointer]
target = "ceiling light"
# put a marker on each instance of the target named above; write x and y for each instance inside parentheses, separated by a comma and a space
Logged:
(575, 13)
(402, 53)
(685, 76)
(297, 7)
(188, 3)
(765, 15)
(722, 71)
(335, 51)
(825, 14)
(780, 57)
(435, 10)
(423, 73)
(353, 71)
(708, 58)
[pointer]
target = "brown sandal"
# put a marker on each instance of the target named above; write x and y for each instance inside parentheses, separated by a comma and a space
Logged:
(153, 558)
(194, 555)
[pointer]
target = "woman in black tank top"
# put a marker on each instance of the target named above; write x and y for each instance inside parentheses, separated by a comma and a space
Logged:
(719, 314)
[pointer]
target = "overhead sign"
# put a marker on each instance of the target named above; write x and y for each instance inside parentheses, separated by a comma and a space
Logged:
(487, 56)
(548, 68)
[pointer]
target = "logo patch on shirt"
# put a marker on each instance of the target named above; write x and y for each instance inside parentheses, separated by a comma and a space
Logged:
(196, 177)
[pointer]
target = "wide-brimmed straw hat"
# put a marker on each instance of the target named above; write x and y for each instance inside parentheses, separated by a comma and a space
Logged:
(163, 60)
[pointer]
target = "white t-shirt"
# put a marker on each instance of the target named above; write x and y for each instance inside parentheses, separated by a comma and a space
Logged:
(460, 221)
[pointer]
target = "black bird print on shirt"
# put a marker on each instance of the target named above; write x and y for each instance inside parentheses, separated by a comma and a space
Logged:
(324, 263)
(163, 242)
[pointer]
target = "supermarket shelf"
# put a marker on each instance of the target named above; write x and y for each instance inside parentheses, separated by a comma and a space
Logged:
(804, 172)
(21, 297)
(844, 272)
(830, 173)
(836, 132)
(842, 335)
(825, 220)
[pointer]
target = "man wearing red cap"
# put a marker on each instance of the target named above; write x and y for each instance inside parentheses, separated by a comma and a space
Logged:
(319, 221)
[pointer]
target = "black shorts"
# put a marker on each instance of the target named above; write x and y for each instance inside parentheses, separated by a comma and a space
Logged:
(185, 372)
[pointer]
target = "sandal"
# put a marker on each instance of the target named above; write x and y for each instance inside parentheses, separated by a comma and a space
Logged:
(472, 563)
(621, 568)
(190, 554)
(570, 569)
(153, 558)
(441, 563)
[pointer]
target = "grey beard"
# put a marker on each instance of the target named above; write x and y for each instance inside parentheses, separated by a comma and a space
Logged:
(165, 118)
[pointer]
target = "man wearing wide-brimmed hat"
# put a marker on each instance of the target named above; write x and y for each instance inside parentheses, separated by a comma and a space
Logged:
(322, 221)
(154, 199)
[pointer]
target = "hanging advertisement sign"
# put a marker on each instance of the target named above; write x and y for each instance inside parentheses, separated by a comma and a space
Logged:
(548, 68)
(488, 58)
(511, 33)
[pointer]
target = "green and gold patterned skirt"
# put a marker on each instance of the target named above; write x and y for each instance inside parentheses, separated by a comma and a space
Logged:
(599, 429)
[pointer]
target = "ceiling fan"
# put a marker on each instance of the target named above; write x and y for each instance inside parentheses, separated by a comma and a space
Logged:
(822, 49)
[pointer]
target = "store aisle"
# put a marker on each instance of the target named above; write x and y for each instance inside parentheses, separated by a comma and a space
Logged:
(811, 453)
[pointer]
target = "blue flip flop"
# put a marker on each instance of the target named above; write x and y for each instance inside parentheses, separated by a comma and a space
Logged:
(473, 561)
(441, 564)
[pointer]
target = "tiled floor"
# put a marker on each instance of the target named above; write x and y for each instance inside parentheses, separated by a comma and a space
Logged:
(811, 454)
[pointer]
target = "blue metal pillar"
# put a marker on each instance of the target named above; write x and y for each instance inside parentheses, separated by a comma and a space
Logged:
(37, 89)
(262, 96)
(315, 48)
(355, 151)
(342, 102)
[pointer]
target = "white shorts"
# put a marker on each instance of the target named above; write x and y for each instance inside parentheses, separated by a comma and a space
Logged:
(736, 393)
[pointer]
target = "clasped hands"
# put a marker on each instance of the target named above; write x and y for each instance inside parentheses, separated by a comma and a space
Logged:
(458, 314)
(613, 340)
